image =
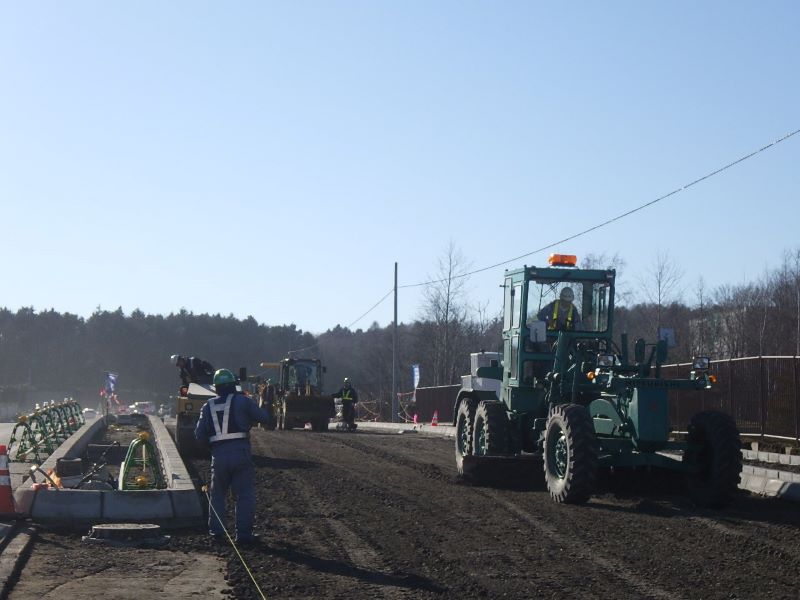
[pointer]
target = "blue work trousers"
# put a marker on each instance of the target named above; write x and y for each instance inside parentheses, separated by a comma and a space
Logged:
(234, 470)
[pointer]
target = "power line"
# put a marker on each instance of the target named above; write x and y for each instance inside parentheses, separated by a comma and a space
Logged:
(612, 220)
(373, 307)
(580, 233)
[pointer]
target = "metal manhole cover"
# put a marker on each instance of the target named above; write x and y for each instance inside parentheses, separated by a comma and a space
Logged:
(127, 534)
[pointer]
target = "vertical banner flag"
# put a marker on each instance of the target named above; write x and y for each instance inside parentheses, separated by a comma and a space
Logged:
(415, 375)
(111, 384)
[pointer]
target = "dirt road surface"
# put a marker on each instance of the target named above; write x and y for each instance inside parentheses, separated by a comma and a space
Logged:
(372, 515)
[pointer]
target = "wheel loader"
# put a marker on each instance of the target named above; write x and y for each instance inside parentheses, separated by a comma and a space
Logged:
(563, 392)
(298, 397)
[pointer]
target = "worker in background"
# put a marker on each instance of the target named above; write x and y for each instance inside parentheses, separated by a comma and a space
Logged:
(225, 423)
(349, 398)
(562, 314)
(193, 370)
(266, 400)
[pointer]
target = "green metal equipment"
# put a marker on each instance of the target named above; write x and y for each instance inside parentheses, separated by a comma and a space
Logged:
(563, 392)
(141, 469)
(42, 431)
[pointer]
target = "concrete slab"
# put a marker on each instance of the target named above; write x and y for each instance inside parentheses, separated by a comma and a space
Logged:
(50, 505)
(178, 504)
(136, 506)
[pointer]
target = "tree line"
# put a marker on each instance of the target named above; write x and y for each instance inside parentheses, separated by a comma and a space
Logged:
(62, 351)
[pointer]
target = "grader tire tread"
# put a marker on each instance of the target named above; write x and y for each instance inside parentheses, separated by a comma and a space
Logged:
(578, 482)
(491, 415)
(714, 443)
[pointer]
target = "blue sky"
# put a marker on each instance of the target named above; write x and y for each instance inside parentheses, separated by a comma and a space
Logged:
(276, 159)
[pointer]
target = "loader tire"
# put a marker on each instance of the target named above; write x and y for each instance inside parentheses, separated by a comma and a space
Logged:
(490, 429)
(281, 417)
(570, 454)
(319, 425)
(465, 422)
(715, 456)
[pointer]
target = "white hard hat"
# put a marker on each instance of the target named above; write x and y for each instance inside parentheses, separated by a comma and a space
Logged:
(174, 359)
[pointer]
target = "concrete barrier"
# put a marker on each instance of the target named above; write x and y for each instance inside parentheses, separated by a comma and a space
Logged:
(177, 505)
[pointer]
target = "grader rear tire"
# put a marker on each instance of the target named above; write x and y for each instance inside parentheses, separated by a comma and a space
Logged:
(570, 454)
(465, 423)
(714, 449)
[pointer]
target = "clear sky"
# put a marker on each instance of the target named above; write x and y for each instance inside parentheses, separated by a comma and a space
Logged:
(275, 159)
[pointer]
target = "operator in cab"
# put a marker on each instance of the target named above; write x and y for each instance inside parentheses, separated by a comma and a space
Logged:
(225, 423)
(562, 314)
(193, 369)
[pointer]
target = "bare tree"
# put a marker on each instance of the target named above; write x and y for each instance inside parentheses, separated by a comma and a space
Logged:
(445, 307)
(606, 261)
(662, 285)
(702, 323)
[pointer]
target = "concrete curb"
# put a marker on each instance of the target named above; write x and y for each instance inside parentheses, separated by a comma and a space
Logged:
(177, 505)
(447, 431)
(772, 483)
(13, 557)
(772, 457)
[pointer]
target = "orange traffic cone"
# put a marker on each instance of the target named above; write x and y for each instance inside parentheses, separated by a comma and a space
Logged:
(6, 497)
(435, 420)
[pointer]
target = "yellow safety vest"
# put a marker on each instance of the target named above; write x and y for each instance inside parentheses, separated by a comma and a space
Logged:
(346, 395)
(554, 320)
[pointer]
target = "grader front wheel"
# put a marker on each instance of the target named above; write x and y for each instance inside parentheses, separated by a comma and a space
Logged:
(570, 454)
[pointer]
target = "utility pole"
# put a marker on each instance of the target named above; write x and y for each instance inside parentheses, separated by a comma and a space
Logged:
(395, 407)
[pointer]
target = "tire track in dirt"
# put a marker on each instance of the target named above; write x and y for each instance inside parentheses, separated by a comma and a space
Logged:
(371, 516)
(342, 558)
(613, 567)
(489, 572)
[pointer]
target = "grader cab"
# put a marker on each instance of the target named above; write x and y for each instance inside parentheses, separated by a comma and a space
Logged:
(563, 392)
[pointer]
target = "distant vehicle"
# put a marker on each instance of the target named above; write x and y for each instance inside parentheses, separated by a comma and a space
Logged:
(143, 408)
(89, 413)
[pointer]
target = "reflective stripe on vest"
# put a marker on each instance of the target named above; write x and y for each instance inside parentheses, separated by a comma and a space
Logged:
(222, 432)
(346, 395)
(554, 321)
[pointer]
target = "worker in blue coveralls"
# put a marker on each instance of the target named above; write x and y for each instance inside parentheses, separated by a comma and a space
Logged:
(225, 423)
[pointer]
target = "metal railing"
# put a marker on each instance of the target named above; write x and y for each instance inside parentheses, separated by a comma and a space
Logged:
(760, 392)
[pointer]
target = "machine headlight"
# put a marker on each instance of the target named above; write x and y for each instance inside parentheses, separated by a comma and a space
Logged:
(605, 360)
(701, 363)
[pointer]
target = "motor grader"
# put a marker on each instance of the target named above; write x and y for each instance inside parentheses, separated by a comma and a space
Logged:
(298, 397)
(564, 393)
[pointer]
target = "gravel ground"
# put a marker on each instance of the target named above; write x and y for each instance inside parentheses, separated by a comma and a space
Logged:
(371, 515)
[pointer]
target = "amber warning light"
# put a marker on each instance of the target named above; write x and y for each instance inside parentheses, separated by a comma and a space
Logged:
(562, 260)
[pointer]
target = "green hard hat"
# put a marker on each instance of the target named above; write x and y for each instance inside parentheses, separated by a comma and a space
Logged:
(224, 377)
